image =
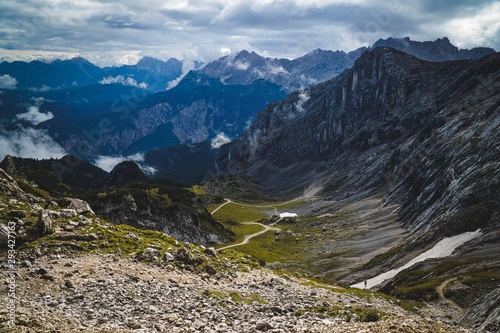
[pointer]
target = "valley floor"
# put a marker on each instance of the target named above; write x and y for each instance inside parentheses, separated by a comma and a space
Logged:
(107, 293)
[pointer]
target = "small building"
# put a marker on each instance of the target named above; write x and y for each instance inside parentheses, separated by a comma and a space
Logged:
(286, 214)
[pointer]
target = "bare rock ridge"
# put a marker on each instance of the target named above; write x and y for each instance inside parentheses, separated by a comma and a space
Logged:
(321, 65)
(439, 50)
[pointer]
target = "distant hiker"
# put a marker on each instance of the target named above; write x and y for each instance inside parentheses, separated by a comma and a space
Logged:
(366, 283)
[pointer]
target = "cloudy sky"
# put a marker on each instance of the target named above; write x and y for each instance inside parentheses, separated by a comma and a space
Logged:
(110, 32)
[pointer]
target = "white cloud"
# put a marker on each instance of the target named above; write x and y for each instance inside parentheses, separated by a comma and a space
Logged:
(148, 169)
(34, 116)
(242, 66)
(120, 79)
(480, 28)
(303, 97)
(220, 140)
(28, 142)
(224, 51)
(107, 163)
(117, 32)
(7, 82)
(187, 65)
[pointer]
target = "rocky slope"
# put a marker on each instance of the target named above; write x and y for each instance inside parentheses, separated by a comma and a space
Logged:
(106, 293)
(74, 272)
(484, 314)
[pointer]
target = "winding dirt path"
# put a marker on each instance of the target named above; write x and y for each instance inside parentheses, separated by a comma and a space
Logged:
(265, 229)
(440, 291)
(248, 237)
(228, 201)
(222, 205)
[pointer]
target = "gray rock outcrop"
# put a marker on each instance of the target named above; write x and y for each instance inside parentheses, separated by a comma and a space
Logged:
(484, 314)
(80, 206)
(44, 224)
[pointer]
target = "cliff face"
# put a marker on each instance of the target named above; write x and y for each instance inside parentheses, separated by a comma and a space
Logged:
(426, 133)
(146, 210)
(194, 111)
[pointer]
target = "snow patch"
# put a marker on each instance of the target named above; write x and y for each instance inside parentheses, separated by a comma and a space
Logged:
(220, 140)
(442, 249)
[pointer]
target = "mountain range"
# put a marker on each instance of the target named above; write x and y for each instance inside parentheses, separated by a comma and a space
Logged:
(383, 153)
(149, 73)
(219, 98)
(321, 65)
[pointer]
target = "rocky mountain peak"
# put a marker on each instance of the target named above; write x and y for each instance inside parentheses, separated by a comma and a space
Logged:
(153, 63)
(123, 173)
(8, 164)
(439, 50)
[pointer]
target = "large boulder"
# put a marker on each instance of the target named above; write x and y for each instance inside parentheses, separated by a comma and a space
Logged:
(44, 224)
(80, 206)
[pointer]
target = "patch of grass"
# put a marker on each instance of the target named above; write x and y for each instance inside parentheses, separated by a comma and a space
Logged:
(265, 247)
(248, 299)
(198, 190)
(240, 230)
(384, 257)
(418, 290)
(411, 306)
(481, 278)
(368, 315)
(233, 211)
(29, 188)
(362, 314)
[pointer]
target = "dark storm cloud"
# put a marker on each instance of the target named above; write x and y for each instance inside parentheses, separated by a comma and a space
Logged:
(449, 7)
(123, 31)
